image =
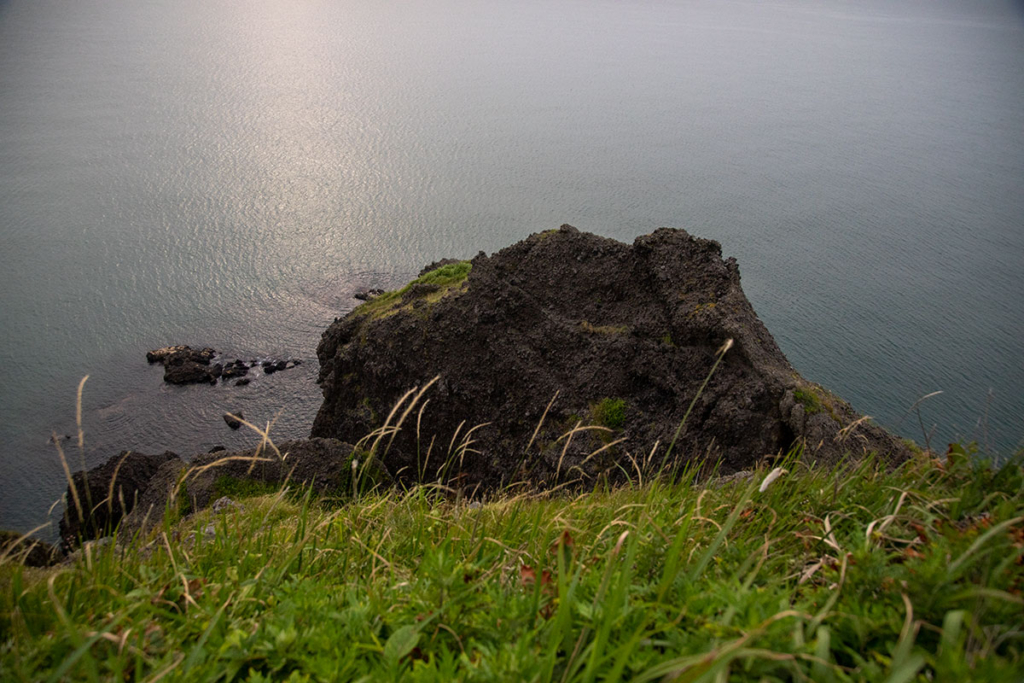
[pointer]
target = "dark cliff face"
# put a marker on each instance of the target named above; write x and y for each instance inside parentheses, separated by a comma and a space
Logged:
(625, 334)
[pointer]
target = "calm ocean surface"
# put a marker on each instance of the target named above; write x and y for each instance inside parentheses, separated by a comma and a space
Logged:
(226, 174)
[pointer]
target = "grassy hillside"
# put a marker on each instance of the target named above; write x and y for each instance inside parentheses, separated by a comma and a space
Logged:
(853, 574)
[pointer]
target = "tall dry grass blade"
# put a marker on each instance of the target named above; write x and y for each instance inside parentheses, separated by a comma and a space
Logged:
(426, 460)
(916, 408)
(639, 474)
(568, 438)
(451, 445)
(71, 481)
(419, 420)
(110, 491)
(391, 415)
(78, 413)
(81, 440)
(412, 404)
(647, 462)
(264, 434)
(603, 448)
(541, 421)
(721, 354)
(193, 472)
(466, 442)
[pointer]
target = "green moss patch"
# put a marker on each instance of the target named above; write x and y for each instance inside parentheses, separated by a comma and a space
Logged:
(609, 412)
(434, 286)
(809, 400)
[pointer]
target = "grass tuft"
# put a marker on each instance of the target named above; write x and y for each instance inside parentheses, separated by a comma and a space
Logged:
(433, 285)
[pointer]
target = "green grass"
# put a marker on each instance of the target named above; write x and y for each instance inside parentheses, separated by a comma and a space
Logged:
(234, 487)
(444, 278)
(857, 573)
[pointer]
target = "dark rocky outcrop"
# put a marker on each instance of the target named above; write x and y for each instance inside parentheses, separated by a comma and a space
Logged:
(28, 551)
(180, 353)
(237, 368)
(130, 473)
(323, 464)
(151, 485)
(185, 365)
(625, 334)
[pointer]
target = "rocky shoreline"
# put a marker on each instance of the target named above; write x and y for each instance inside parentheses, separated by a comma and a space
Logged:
(563, 360)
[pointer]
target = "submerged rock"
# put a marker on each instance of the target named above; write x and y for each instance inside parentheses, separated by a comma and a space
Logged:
(625, 335)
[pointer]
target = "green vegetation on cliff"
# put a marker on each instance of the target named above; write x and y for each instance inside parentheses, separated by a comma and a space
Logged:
(430, 286)
(855, 573)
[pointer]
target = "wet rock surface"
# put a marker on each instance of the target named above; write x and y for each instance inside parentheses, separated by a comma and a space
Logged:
(185, 365)
(624, 334)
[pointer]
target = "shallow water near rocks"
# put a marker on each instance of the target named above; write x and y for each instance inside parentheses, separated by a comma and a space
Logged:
(204, 173)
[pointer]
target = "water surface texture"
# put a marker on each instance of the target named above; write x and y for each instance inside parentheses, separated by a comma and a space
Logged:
(226, 174)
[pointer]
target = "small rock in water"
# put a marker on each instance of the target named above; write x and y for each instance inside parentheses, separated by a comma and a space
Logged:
(216, 449)
(232, 421)
(242, 382)
(185, 365)
(234, 370)
(188, 372)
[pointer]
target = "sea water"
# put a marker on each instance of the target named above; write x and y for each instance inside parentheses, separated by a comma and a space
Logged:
(227, 173)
